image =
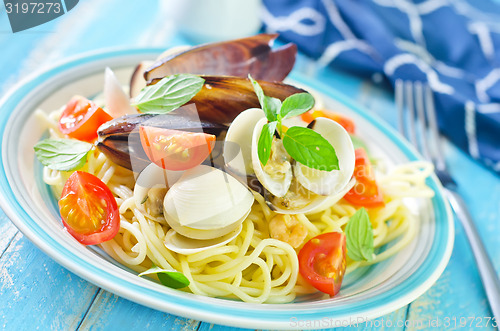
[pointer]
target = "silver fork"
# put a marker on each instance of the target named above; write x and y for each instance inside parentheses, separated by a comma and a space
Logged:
(418, 97)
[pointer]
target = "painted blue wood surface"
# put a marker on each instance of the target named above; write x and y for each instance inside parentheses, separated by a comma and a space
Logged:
(36, 293)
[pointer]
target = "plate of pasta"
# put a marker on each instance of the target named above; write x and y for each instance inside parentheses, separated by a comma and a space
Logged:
(204, 182)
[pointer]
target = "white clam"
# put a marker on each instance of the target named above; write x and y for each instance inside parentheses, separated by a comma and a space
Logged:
(117, 102)
(277, 184)
(238, 141)
(153, 177)
(184, 245)
(329, 182)
(206, 203)
(320, 189)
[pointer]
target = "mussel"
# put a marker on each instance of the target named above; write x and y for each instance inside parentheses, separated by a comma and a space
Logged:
(222, 98)
(119, 138)
(240, 57)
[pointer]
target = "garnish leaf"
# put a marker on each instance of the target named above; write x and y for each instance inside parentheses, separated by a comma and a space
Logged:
(310, 148)
(62, 154)
(359, 236)
(168, 94)
(265, 141)
(296, 104)
(273, 105)
(169, 278)
(268, 104)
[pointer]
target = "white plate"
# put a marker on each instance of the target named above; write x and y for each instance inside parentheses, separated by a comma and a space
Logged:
(28, 202)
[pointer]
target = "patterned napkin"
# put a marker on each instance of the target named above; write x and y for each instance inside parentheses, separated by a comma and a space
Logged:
(454, 45)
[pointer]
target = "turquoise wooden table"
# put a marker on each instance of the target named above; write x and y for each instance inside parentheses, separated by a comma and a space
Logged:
(37, 293)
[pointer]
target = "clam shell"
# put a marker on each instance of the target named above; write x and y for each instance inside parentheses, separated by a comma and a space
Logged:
(276, 186)
(153, 176)
(184, 245)
(238, 142)
(206, 203)
(329, 182)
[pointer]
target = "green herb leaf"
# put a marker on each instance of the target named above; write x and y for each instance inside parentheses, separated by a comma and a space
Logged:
(62, 154)
(266, 141)
(296, 104)
(170, 278)
(310, 148)
(273, 105)
(168, 94)
(269, 105)
(359, 236)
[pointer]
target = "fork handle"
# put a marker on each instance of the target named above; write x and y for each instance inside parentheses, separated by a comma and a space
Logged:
(486, 270)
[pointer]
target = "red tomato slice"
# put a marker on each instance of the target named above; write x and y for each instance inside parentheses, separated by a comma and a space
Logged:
(365, 192)
(88, 209)
(175, 149)
(322, 261)
(343, 120)
(81, 118)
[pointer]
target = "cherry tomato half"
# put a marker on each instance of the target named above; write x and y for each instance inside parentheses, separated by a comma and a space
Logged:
(88, 209)
(343, 120)
(81, 118)
(322, 261)
(365, 192)
(175, 149)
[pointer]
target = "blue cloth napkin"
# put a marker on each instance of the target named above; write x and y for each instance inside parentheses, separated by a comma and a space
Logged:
(454, 45)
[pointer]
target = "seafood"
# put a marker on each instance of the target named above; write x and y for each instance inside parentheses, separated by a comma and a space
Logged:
(252, 55)
(287, 228)
(119, 138)
(290, 187)
(221, 201)
(222, 98)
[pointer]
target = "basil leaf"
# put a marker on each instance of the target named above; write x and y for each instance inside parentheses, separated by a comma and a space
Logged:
(168, 94)
(310, 148)
(169, 278)
(273, 105)
(62, 154)
(359, 236)
(268, 104)
(296, 104)
(265, 141)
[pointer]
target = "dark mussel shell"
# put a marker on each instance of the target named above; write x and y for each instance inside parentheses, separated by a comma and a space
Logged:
(222, 98)
(119, 139)
(240, 57)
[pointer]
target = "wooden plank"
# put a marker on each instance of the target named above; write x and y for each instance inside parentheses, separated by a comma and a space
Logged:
(7, 232)
(458, 292)
(38, 293)
(109, 311)
(458, 295)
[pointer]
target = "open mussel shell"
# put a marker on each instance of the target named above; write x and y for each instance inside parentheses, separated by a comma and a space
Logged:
(240, 57)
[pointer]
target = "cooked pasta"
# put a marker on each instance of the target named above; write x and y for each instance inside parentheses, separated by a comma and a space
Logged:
(253, 267)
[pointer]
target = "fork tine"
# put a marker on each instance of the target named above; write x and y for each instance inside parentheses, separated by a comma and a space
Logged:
(434, 131)
(419, 101)
(411, 113)
(400, 105)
